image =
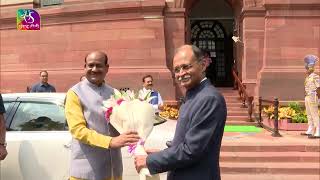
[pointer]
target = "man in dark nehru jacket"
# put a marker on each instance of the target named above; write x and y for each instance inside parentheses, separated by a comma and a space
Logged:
(195, 149)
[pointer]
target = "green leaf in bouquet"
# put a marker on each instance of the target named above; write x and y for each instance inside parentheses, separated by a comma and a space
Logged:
(145, 98)
(117, 94)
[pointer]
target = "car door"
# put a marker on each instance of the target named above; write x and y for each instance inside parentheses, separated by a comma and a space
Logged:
(38, 143)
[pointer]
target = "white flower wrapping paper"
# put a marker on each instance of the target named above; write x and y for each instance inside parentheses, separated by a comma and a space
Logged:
(133, 115)
(137, 115)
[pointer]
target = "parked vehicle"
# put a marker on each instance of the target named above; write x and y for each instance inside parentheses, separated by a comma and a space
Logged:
(39, 143)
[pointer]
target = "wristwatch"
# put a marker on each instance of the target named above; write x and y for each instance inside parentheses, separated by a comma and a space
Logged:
(3, 144)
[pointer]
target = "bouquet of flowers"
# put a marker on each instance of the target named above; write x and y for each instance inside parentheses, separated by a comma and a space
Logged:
(125, 111)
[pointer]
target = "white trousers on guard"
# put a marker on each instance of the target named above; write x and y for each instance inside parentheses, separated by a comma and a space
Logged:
(311, 103)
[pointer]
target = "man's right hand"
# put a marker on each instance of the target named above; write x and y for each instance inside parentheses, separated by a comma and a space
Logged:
(161, 107)
(124, 139)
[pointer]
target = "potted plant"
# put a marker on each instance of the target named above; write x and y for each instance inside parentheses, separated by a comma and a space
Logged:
(291, 118)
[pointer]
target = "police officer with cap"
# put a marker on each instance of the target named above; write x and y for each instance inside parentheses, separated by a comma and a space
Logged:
(312, 86)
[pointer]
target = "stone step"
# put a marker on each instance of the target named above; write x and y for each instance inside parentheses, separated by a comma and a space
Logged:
(234, 96)
(244, 123)
(235, 108)
(233, 100)
(227, 91)
(265, 176)
(234, 104)
(270, 157)
(255, 147)
(231, 94)
(238, 113)
(270, 167)
(237, 118)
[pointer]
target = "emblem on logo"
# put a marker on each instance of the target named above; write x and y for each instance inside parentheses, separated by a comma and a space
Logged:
(28, 19)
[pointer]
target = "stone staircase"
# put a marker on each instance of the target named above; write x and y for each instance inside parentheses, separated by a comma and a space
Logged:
(270, 161)
(259, 156)
(237, 115)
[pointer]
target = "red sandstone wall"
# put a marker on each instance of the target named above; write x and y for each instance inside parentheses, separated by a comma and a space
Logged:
(292, 31)
(140, 39)
(174, 36)
(253, 46)
(132, 34)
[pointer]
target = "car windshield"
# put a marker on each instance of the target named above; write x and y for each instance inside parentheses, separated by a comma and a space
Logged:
(38, 116)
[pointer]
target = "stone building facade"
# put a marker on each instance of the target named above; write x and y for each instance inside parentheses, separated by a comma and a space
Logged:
(140, 37)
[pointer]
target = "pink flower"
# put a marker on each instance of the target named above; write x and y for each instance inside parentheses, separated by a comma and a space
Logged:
(107, 114)
(132, 147)
(119, 101)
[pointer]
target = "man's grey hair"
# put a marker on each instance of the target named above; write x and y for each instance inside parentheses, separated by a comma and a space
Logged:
(197, 52)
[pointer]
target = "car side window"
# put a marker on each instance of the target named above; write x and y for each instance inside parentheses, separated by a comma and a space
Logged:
(36, 116)
(7, 106)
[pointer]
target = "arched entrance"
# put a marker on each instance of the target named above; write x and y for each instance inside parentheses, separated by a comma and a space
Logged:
(211, 25)
(211, 37)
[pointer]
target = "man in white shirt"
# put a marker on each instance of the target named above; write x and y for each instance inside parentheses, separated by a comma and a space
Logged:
(312, 86)
(147, 89)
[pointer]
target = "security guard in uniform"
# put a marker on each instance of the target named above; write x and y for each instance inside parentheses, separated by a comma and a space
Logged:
(312, 86)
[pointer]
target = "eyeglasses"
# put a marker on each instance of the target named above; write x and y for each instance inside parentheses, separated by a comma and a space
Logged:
(98, 66)
(184, 67)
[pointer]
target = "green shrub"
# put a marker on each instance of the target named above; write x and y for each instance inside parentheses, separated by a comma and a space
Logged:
(300, 116)
(296, 106)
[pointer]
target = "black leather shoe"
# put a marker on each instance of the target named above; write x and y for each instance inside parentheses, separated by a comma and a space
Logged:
(314, 137)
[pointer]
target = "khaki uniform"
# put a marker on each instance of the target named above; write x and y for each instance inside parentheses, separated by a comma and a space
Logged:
(311, 103)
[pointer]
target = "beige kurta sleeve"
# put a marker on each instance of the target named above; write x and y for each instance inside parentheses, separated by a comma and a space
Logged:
(78, 126)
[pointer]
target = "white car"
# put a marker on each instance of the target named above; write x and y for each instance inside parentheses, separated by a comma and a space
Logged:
(39, 143)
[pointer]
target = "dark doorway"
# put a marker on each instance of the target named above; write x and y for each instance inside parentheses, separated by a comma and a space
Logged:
(210, 36)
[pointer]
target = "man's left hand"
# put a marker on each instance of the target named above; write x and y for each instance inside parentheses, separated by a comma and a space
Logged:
(140, 162)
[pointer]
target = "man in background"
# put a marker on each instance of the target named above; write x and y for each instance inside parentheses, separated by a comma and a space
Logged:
(147, 89)
(43, 85)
